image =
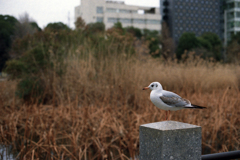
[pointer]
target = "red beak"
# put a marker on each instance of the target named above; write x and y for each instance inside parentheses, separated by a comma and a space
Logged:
(145, 88)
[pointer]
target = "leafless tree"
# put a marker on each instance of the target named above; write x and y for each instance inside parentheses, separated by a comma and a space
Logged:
(80, 23)
(233, 52)
(168, 45)
(24, 27)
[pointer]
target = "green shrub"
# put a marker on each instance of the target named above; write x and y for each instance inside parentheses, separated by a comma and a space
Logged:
(43, 58)
(208, 43)
(30, 89)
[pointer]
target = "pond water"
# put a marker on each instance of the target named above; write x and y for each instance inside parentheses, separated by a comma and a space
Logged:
(5, 153)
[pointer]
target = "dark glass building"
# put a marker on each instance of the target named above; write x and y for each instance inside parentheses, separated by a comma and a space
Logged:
(197, 16)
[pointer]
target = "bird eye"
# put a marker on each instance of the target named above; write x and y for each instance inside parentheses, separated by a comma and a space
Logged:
(156, 85)
(152, 85)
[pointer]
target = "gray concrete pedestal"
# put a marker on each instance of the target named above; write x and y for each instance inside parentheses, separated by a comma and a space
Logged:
(170, 140)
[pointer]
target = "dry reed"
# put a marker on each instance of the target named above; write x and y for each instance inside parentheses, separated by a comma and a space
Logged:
(99, 105)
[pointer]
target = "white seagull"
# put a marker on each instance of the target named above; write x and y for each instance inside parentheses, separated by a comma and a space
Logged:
(167, 100)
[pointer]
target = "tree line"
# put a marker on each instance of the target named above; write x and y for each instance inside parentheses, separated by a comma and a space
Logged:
(208, 45)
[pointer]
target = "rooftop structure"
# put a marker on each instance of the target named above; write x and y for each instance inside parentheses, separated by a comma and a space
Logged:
(110, 12)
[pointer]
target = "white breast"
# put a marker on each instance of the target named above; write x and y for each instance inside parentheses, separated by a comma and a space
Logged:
(155, 98)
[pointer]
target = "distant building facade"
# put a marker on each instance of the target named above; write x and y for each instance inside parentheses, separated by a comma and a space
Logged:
(232, 18)
(196, 16)
(110, 12)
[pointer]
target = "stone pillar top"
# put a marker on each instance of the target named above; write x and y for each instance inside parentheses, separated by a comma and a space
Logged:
(169, 125)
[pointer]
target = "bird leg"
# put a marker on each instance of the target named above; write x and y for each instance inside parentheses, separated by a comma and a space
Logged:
(169, 115)
(166, 115)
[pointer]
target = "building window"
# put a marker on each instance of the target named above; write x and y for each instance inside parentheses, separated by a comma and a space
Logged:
(230, 15)
(238, 14)
(230, 5)
(99, 19)
(111, 10)
(134, 11)
(238, 4)
(229, 35)
(115, 10)
(140, 21)
(112, 20)
(230, 25)
(99, 9)
(237, 24)
(153, 21)
(125, 20)
(124, 11)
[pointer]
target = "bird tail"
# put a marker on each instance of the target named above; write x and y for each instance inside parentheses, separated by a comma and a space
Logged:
(196, 106)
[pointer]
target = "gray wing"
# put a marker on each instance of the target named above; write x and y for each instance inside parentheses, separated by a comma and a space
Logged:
(173, 99)
(169, 94)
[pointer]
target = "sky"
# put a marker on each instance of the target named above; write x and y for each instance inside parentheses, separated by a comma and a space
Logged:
(49, 11)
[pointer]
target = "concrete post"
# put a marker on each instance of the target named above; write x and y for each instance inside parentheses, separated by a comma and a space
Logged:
(170, 140)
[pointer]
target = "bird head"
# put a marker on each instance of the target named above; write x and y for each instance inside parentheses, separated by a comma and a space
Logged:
(154, 86)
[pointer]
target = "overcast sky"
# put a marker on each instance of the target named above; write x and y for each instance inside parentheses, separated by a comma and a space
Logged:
(46, 11)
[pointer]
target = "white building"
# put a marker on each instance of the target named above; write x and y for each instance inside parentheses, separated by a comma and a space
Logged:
(110, 12)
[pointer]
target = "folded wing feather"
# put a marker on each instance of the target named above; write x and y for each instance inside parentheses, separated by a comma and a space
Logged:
(173, 99)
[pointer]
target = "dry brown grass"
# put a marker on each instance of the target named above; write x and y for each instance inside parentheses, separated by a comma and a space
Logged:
(99, 105)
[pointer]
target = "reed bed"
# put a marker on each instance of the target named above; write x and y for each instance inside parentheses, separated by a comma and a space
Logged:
(102, 107)
(95, 108)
